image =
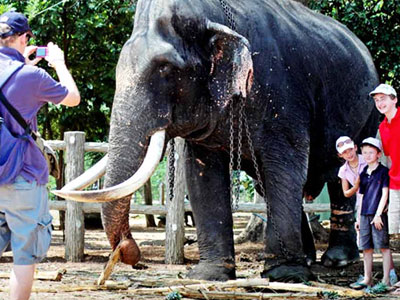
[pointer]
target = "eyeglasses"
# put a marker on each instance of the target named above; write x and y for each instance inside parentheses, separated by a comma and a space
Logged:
(27, 35)
(341, 144)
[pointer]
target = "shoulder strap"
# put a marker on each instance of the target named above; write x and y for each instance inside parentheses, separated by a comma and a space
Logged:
(9, 71)
(4, 76)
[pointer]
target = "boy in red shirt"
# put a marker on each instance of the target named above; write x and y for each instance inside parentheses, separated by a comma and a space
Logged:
(385, 98)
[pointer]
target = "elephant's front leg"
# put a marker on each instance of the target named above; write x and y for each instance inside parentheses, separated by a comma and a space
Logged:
(285, 257)
(208, 184)
(342, 249)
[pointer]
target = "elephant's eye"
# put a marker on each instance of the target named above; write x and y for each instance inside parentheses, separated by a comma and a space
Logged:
(165, 69)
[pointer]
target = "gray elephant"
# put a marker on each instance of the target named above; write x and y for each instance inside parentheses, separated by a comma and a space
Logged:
(294, 79)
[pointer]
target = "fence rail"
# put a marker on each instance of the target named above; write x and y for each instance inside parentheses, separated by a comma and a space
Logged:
(162, 209)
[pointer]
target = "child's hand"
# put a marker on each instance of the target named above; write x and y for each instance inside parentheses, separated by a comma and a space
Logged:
(357, 225)
(377, 221)
(357, 181)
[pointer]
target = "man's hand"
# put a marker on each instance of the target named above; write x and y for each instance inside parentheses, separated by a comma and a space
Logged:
(55, 55)
(29, 50)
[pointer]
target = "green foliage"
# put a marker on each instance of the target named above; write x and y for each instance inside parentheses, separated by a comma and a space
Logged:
(174, 296)
(377, 24)
(91, 33)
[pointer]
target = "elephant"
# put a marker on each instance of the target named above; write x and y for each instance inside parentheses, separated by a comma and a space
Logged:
(270, 81)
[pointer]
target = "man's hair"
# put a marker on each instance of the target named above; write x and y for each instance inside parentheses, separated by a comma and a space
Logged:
(8, 40)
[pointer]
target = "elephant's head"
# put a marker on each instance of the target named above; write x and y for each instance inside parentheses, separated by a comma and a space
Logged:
(176, 73)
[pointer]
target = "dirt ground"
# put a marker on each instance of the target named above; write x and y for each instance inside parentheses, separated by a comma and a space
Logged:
(151, 267)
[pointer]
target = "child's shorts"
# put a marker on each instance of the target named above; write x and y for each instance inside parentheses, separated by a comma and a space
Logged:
(25, 221)
(372, 238)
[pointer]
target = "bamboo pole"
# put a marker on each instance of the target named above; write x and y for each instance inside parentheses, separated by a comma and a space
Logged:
(114, 258)
(42, 275)
(251, 283)
(65, 289)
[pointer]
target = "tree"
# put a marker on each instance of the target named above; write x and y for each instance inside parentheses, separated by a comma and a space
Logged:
(377, 24)
(91, 33)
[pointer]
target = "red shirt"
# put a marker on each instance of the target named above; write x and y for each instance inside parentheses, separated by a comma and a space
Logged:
(390, 136)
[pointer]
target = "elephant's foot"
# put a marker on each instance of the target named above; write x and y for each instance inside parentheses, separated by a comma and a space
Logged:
(340, 256)
(130, 253)
(213, 271)
(288, 273)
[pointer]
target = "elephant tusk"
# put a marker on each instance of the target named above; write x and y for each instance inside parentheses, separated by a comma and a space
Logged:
(87, 178)
(129, 186)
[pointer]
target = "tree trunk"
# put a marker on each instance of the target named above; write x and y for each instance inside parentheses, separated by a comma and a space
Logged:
(254, 230)
(148, 200)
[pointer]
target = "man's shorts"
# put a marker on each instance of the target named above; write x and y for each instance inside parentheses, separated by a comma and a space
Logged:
(372, 238)
(25, 221)
(394, 211)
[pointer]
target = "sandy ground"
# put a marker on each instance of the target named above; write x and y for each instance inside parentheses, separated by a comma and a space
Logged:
(151, 267)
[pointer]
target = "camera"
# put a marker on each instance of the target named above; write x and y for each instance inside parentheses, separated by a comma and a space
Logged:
(41, 51)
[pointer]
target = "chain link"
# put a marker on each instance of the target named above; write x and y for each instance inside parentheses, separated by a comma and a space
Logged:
(235, 186)
(171, 169)
(228, 14)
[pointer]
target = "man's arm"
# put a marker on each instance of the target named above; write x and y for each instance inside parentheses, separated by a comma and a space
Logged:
(56, 60)
(73, 97)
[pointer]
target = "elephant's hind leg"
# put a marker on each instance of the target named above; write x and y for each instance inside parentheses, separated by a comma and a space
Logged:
(342, 249)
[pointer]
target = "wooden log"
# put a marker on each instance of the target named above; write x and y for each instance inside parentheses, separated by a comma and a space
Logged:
(108, 286)
(253, 283)
(74, 221)
(42, 275)
(114, 258)
(161, 209)
(202, 294)
(88, 146)
(175, 226)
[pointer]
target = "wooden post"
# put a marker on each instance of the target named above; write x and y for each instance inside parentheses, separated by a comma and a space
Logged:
(148, 200)
(175, 227)
(161, 191)
(74, 221)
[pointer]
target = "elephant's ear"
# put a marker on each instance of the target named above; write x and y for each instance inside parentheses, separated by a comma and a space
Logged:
(231, 71)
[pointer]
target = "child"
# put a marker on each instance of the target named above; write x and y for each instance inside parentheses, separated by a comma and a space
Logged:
(385, 98)
(349, 172)
(372, 219)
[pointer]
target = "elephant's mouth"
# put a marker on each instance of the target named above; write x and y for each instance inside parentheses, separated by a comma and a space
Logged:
(202, 133)
(126, 188)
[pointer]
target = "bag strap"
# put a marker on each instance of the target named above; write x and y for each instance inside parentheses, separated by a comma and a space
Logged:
(4, 76)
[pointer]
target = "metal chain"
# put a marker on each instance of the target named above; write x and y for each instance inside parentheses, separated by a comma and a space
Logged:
(242, 118)
(234, 175)
(262, 190)
(231, 152)
(171, 169)
(228, 14)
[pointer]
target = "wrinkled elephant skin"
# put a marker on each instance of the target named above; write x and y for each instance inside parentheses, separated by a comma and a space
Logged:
(304, 81)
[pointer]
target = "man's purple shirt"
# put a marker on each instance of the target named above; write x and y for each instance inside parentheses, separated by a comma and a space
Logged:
(28, 90)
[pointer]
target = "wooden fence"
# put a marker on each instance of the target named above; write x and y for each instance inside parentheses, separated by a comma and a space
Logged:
(75, 146)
